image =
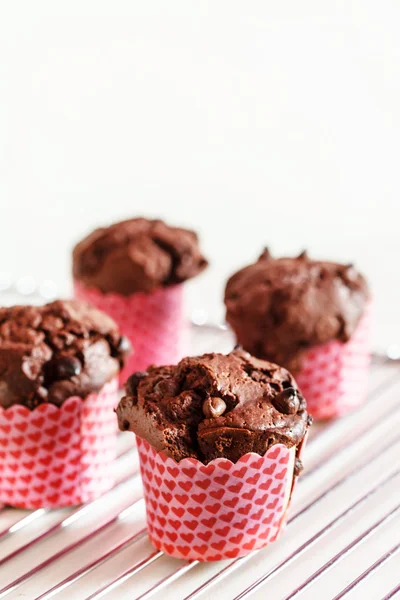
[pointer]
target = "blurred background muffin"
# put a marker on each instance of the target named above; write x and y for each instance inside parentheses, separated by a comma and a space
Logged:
(134, 271)
(310, 316)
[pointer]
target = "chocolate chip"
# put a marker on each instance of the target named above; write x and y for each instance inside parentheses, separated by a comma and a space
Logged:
(298, 467)
(65, 367)
(213, 407)
(124, 345)
(303, 255)
(309, 420)
(125, 425)
(133, 381)
(238, 347)
(287, 402)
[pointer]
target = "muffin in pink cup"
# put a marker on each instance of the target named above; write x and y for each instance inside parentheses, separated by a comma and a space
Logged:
(220, 440)
(59, 367)
(134, 271)
(311, 316)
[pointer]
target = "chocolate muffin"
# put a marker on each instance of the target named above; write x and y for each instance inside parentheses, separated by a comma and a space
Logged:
(49, 353)
(281, 307)
(137, 255)
(214, 406)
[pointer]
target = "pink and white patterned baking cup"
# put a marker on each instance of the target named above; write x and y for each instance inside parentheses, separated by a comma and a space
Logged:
(154, 323)
(58, 456)
(216, 511)
(334, 376)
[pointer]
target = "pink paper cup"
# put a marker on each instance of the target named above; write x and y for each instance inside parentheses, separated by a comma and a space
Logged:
(216, 511)
(334, 377)
(58, 456)
(154, 323)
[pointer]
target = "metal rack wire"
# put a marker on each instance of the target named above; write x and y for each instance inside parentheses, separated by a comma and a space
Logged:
(340, 539)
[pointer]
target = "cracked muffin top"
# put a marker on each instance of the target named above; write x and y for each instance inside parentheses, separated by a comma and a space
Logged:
(138, 255)
(280, 307)
(49, 353)
(214, 406)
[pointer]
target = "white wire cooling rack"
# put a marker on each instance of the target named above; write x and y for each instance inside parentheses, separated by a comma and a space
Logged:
(342, 539)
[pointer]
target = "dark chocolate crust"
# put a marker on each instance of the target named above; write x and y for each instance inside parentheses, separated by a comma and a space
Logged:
(138, 255)
(49, 353)
(214, 406)
(278, 308)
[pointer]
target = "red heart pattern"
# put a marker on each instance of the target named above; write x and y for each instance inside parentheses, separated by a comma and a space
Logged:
(334, 376)
(218, 530)
(155, 323)
(68, 463)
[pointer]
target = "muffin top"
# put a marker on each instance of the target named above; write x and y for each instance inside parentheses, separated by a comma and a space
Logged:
(214, 406)
(279, 307)
(49, 353)
(138, 255)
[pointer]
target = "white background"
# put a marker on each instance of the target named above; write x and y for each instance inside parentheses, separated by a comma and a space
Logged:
(254, 122)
